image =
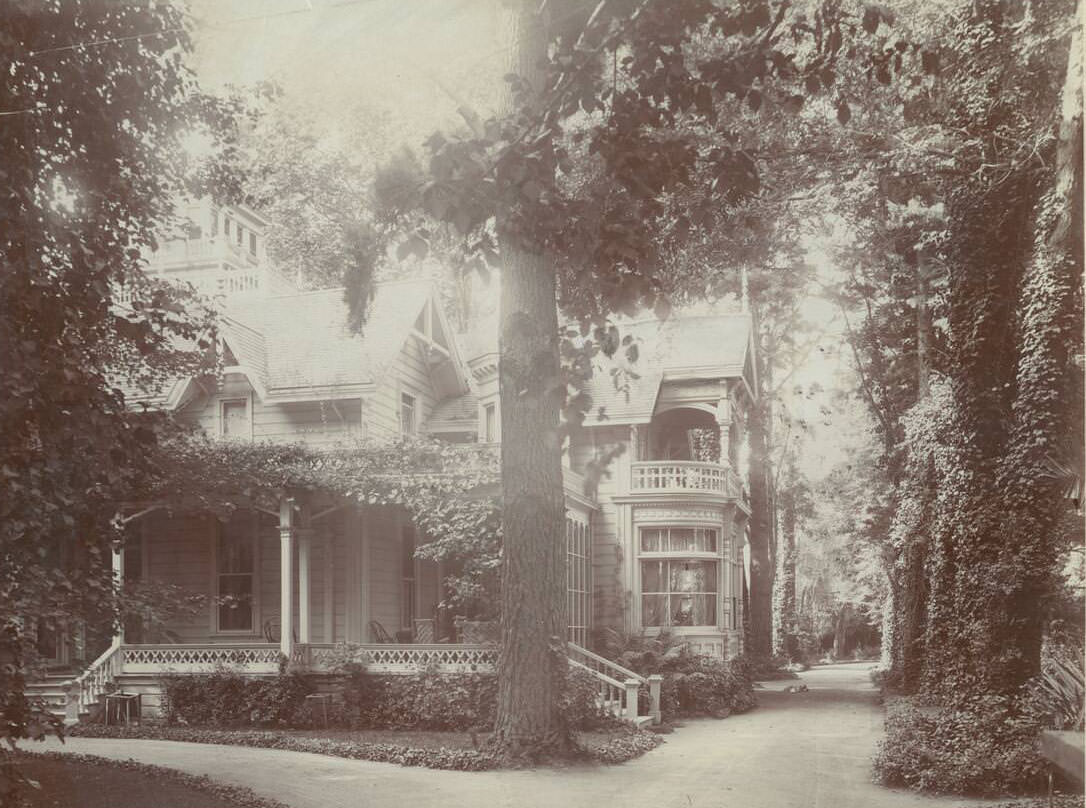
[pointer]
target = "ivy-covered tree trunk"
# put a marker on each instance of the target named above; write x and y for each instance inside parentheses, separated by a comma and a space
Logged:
(1048, 403)
(785, 640)
(761, 528)
(532, 663)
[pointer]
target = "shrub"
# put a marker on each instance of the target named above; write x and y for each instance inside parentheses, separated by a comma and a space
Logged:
(427, 700)
(987, 747)
(450, 701)
(1058, 693)
(693, 685)
(229, 699)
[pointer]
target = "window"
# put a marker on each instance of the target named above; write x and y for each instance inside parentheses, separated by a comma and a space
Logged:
(226, 226)
(680, 576)
(489, 423)
(235, 565)
(194, 232)
(252, 243)
(578, 581)
(240, 231)
(407, 576)
(235, 419)
(407, 414)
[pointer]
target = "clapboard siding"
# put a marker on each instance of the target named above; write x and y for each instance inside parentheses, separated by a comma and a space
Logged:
(317, 423)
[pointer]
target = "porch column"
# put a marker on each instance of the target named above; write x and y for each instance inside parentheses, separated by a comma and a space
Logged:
(305, 535)
(118, 577)
(724, 428)
(286, 576)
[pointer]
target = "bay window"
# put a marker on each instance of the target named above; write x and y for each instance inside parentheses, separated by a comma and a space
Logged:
(680, 576)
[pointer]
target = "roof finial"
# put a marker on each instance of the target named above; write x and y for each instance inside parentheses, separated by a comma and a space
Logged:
(744, 291)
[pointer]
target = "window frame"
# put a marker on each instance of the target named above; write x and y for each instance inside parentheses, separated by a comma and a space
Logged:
(716, 556)
(408, 586)
(490, 423)
(579, 590)
(414, 401)
(248, 402)
(252, 528)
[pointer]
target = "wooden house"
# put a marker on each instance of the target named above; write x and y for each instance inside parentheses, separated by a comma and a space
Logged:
(656, 544)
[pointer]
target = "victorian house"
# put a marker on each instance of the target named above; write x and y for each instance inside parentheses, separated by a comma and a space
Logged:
(657, 544)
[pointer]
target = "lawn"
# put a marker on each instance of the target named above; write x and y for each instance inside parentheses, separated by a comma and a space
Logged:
(84, 781)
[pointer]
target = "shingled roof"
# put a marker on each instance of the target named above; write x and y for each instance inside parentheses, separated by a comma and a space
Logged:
(308, 349)
(715, 346)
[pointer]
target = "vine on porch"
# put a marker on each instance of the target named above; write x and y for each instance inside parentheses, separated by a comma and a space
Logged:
(450, 490)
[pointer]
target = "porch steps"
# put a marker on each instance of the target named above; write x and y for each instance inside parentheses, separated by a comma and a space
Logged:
(52, 690)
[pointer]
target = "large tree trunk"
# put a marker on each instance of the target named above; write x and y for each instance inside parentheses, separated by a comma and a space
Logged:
(786, 641)
(532, 662)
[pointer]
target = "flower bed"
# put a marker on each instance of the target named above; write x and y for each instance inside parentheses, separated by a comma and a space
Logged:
(617, 744)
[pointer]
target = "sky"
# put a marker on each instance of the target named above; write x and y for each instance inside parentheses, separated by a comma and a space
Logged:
(405, 66)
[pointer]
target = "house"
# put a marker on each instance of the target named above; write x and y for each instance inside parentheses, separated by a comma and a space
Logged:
(656, 544)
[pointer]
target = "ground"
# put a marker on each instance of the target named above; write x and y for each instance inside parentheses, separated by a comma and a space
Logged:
(796, 750)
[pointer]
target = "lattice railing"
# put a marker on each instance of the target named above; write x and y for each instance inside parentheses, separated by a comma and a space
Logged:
(406, 658)
(246, 658)
(684, 475)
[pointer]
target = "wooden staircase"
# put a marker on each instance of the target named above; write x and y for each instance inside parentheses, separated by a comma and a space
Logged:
(618, 686)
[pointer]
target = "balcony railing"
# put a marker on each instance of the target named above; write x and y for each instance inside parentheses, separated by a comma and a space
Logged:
(685, 475)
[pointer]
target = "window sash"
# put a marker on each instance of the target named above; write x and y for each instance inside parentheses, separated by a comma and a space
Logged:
(679, 592)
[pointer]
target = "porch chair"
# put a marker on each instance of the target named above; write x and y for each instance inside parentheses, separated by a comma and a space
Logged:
(379, 633)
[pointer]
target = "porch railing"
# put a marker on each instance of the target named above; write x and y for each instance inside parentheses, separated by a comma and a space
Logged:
(685, 475)
(84, 691)
(397, 658)
(245, 657)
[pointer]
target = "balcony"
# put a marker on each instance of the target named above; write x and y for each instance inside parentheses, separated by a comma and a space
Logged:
(671, 476)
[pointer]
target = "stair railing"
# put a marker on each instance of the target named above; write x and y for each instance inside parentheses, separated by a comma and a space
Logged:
(85, 690)
(612, 676)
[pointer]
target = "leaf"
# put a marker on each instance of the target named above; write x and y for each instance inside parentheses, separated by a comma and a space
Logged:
(844, 114)
(754, 100)
(929, 60)
(793, 104)
(812, 84)
(871, 19)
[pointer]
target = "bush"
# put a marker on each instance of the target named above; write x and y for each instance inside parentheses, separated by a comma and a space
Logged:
(228, 699)
(427, 700)
(450, 701)
(693, 685)
(986, 748)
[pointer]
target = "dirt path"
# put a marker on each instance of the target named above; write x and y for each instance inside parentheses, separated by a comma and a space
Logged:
(794, 751)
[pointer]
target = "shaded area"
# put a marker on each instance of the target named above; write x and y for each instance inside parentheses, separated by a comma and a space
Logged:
(795, 750)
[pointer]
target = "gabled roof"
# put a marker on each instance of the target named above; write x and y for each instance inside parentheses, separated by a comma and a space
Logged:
(681, 347)
(308, 350)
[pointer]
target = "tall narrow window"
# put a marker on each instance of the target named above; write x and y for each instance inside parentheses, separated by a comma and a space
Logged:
(236, 565)
(489, 423)
(235, 419)
(578, 581)
(407, 414)
(252, 243)
(407, 576)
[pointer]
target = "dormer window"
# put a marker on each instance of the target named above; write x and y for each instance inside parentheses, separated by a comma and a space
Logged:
(407, 414)
(235, 419)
